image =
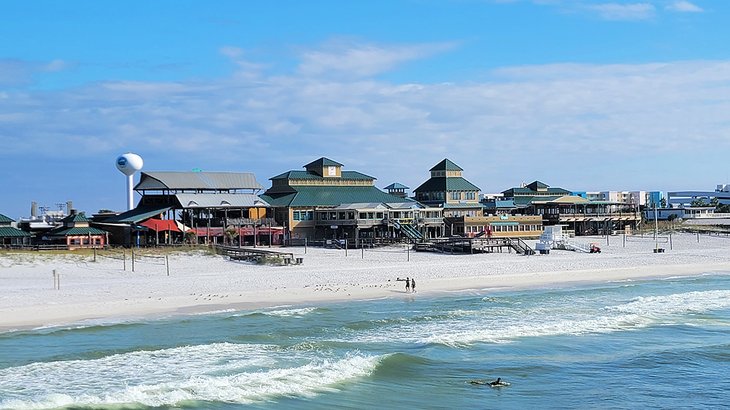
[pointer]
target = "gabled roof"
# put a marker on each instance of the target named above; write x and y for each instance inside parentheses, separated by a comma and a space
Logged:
(323, 162)
(446, 165)
(4, 219)
(445, 184)
(138, 214)
(537, 185)
(197, 180)
(306, 196)
(9, 232)
(311, 176)
(75, 218)
(396, 185)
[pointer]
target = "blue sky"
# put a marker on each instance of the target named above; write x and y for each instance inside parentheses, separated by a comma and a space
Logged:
(583, 95)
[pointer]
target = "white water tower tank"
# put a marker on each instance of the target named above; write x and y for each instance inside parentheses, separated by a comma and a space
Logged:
(128, 164)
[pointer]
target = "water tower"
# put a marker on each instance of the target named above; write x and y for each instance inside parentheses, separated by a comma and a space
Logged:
(128, 164)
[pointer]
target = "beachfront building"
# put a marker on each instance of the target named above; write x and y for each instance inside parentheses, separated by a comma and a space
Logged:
(379, 222)
(75, 232)
(300, 197)
(200, 207)
(10, 235)
(720, 196)
(558, 206)
(495, 226)
(447, 189)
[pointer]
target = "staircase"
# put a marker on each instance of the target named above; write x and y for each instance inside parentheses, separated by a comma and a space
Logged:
(520, 246)
(408, 230)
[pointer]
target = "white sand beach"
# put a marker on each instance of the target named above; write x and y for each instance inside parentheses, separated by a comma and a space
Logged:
(103, 291)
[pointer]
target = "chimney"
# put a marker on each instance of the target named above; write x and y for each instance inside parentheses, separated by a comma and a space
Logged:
(69, 206)
(33, 209)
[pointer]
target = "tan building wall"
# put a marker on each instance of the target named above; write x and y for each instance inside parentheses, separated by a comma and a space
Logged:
(500, 226)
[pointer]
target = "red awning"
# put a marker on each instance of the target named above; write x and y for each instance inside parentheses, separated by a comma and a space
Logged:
(161, 225)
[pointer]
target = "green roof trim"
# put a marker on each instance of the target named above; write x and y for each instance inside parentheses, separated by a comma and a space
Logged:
(4, 219)
(310, 196)
(10, 232)
(354, 175)
(446, 165)
(446, 184)
(138, 214)
(87, 230)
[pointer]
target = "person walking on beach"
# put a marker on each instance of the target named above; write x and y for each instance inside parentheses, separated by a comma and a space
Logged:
(413, 285)
(408, 284)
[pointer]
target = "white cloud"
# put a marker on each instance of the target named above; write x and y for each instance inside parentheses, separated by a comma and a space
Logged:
(362, 60)
(582, 126)
(684, 6)
(619, 11)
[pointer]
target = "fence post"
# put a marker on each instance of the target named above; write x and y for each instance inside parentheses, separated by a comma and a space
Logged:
(54, 279)
(124, 259)
(167, 265)
(132, 259)
(94, 254)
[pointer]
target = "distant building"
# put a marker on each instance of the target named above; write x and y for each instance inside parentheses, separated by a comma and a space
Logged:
(217, 207)
(448, 189)
(690, 198)
(559, 206)
(10, 235)
(299, 197)
(75, 232)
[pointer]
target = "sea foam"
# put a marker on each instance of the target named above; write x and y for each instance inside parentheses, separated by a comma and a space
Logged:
(214, 372)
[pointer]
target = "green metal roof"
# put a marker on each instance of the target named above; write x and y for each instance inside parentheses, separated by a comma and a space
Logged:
(396, 185)
(323, 162)
(87, 230)
(446, 165)
(4, 219)
(75, 218)
(312, 176)
(10, 232)
(446, 184)
(330, 196)
(138, 214)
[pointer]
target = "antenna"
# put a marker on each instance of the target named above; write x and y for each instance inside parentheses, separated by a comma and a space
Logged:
(128, 164)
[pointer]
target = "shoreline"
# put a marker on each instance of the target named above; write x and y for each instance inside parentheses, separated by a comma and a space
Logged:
(202, 284)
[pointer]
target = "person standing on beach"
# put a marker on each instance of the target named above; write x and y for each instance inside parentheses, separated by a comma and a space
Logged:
(408, 284)
(413, 285)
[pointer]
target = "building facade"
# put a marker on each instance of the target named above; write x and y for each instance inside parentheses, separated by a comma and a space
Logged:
(299, 198)
(447, 189)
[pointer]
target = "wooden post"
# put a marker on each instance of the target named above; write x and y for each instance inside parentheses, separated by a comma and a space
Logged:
(124, 259)
(670, 242)
(305, 245)
(54, 279)
(167, 265)
(132, 259)
(94, 254)
(362, 252)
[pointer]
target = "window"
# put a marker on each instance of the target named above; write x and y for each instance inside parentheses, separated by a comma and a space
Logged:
(379, 215)
(470, 195)
(456, 196)
(363, 215)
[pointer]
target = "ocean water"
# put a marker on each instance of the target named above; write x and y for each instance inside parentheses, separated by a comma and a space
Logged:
(649, 344)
